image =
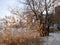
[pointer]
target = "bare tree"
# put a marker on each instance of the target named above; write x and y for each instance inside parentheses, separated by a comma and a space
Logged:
(34, 14)
(38, 7)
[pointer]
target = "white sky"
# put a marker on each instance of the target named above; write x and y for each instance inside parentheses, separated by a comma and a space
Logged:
(5, 5)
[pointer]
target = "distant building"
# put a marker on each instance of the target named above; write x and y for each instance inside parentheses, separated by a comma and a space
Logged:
(57, 17)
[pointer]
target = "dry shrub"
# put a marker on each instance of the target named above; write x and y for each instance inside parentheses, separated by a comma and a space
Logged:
(25, 37)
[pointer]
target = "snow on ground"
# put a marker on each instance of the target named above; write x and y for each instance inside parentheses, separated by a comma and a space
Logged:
(53, 39)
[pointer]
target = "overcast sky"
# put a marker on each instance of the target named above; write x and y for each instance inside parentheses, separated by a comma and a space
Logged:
(5, 5)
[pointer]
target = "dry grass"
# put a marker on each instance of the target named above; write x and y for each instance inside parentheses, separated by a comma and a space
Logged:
(27, 37)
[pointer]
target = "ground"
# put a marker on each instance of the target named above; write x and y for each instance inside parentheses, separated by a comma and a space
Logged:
(53, 39)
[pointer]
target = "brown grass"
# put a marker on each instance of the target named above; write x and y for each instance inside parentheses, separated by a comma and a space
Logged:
(27, 37)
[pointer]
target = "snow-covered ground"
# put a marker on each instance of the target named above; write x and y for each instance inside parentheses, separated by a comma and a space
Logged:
(53, 39)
